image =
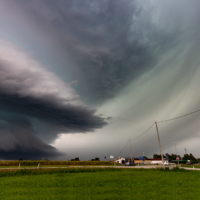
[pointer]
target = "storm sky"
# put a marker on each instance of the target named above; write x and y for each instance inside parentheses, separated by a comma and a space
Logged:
(81, 78)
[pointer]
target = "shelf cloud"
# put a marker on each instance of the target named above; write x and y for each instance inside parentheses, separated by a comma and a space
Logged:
(29, 95)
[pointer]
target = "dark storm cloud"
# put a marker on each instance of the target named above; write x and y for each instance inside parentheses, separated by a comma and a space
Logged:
(18, 139)
(21, 137)
(109, 118)
(50, 105)
(28, 88)
(102, 44)
(106, 44)
(73, 118)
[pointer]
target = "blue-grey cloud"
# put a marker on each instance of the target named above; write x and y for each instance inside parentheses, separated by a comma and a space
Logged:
(65, 57)
(18, 139)
(103, 45)
(27, 89)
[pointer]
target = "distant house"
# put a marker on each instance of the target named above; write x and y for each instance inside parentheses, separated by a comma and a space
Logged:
(139, 161)
(159, 161)
(119, 160)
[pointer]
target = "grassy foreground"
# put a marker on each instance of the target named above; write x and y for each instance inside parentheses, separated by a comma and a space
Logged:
(190, 166)
(101, 184)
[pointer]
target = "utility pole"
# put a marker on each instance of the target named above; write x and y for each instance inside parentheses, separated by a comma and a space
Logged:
(185, 151)
(175, 148)
(120, 154)
(130, 150)
(176, 151)
(143, 157)
(159, 144)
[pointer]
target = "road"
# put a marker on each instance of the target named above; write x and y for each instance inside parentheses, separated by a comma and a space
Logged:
(119, 167)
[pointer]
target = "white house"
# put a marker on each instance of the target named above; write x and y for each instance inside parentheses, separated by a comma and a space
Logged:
(147, 161)
(159, 161)
(119, 160)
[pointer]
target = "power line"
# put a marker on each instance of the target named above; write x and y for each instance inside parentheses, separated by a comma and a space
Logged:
(144, 132)
(178, 117)
(136, 138)
(160, 122)
(124, 147)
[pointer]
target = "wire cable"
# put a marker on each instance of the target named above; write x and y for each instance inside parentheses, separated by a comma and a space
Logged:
(124, 147)
(160, 122)
(144, 132)
(178, 117)
(137, 137)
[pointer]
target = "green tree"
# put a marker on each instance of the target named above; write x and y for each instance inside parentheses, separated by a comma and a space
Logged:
(190, 157)
(173, 156)
(158, 156)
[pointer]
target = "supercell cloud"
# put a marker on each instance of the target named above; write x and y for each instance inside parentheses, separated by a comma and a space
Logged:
(85, 76)
(32, 95)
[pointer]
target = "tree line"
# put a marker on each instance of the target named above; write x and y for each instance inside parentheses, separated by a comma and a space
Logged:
(77, 159)
(174, 156)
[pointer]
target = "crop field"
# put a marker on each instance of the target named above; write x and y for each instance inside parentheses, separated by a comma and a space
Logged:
(43, 162)
(105, 183)
(14, 167)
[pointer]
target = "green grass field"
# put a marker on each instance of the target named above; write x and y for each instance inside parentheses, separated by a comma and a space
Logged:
(191, 166)
(100, 184)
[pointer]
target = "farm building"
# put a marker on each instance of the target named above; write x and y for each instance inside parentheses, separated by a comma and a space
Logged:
(120, 160)
(139, 161)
